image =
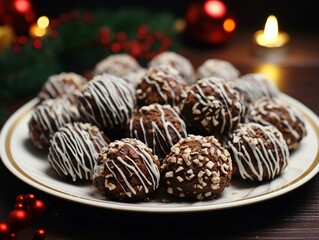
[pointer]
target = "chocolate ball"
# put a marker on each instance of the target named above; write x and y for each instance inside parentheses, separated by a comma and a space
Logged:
(212, 106)
(254, 86)
(217, 68)
(287, 119)
(64, 84)
(197, 168)
(107, 101)
(74, 150)
(48, 117)
(127, 170)
(258, 152)
(117, 64)
(162, 85)
(177, 61)
(159, 127)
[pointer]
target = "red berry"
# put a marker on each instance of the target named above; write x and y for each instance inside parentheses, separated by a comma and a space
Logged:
(13, 236)
(37, 209)
(18, 219)
(19, 206)
(20, 199)
(39, 234)
(4, 231)
(30, 199)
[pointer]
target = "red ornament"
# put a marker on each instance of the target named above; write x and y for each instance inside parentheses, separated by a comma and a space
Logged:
(209, 22)
(4, 231)
(30, 198)
(37, 209)
(18, 219)
(39, 234)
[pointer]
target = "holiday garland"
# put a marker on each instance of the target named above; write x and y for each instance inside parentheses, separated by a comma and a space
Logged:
(78, 40)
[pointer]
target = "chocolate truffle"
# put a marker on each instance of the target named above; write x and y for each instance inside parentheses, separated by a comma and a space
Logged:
(120, 65)
(107, 101)
(258, 152)
(159, 127)
(127, 170)
(217, 68)
(177, 61)
(197, 168)
(48, 117)
(74, 150)
(162, 85)
(212, 106)
(254, 86)
(285, 118)
(64, 84)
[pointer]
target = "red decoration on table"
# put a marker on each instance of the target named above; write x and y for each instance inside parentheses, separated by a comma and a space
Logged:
(18, 219)
(39, 234)
(26, 208)
(209, 22)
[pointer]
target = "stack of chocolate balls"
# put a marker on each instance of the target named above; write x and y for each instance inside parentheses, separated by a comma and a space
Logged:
(132, 130)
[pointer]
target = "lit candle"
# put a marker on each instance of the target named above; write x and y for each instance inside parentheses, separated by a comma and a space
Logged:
(271, 37)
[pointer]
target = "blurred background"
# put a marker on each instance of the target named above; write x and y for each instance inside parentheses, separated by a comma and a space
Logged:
(294, 14)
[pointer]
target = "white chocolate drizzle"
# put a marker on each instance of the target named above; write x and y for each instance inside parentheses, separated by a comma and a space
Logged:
(221, 107)
(113, 100)
(74, 150)
(148, 180)
(269, 152)
(161, 134)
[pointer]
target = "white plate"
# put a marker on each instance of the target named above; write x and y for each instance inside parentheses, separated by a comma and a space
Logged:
(32, 167)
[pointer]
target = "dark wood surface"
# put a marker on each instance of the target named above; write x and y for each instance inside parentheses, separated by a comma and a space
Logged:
(294, 215)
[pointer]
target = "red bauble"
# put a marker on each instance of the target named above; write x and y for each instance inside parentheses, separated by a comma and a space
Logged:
(39, 234)
(37, 209)
(18, 219)
(209, 22)
(4, 231)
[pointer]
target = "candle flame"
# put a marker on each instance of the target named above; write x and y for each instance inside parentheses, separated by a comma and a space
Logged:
(271, 36)
(271, 29)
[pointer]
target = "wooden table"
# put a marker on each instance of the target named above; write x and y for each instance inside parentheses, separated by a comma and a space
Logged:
(294, 215)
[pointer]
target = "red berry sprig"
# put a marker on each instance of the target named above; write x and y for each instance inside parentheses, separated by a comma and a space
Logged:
(26, 208)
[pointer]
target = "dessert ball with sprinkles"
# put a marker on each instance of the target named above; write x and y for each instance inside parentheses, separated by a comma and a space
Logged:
(48, 117)
(197, 168)
(288, 120)
(68, 84)
(212, 106)
(107, 101)
(127, 170)
(162, 85)
(159, 127)
(254, 86)
(217, 68)
(74, 150)
(258, 152)
(177, 61)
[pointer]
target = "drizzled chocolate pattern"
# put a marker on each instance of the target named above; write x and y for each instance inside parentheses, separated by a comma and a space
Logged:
(254, 86)
(64, 84)
(107, 101)
(197, 168)
(48, 117)
(217, 68)
(177, 61)
(127, 169)
(258, 152)
(162, 85)
(159, 127)
(212, 106)
(117, 64)
(74, 150)
(285, 118)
